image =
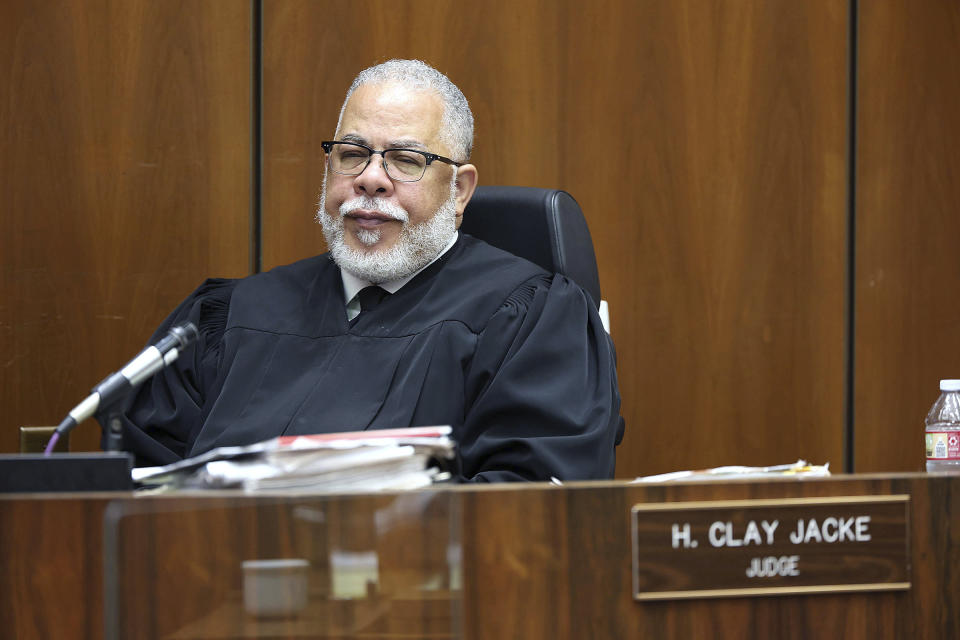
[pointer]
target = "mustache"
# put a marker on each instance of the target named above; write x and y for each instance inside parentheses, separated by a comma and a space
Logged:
(379, 205)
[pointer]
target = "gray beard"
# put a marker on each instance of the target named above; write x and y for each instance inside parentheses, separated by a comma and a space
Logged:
(416, 246)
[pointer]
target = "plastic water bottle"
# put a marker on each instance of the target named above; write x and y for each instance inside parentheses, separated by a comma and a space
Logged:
(943, 429)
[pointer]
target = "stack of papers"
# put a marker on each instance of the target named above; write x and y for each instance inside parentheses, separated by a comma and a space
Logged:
(798, 468)
(386, 459)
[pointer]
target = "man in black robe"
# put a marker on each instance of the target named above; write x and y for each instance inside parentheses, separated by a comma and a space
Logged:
(405, 322)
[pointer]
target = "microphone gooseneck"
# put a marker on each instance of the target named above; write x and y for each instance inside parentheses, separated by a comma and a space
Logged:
(119, 385)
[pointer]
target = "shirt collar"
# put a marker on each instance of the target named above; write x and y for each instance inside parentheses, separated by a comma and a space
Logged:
(352, 284)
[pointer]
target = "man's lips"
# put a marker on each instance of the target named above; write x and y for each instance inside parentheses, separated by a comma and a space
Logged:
(370, 219)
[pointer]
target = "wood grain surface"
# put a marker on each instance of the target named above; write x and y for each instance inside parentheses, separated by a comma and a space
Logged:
(526, 561)
(786, 546)
(706, 143)
(51, 567)
(908, 225)
(568, 552)
(125, 172)
(178, 565)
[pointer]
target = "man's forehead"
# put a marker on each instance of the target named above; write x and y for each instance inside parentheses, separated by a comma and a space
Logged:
(391, 91)
(392, 114)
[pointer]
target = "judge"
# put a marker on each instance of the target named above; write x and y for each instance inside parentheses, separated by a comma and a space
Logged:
(405, 322)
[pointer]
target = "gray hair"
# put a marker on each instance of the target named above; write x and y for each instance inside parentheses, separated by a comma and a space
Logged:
(456, 128)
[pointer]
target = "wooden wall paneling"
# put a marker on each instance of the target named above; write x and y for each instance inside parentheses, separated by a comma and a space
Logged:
(126, 168)
(302, 69)
(721, 224)
(706, 142)
(908, 225)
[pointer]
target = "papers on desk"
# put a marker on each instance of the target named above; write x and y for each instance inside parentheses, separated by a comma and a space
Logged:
(385, 459)
(799, 468)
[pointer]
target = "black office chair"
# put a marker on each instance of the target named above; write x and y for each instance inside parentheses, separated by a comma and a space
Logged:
(545, 226)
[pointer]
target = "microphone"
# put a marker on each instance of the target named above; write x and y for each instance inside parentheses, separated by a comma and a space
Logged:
(117, 385)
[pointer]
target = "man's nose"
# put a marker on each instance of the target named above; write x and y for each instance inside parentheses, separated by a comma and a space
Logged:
(373, 179)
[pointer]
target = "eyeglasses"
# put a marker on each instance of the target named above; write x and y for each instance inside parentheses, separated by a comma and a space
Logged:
(402, 165)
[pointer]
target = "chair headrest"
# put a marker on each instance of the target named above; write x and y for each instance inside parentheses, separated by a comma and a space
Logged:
(545, 226)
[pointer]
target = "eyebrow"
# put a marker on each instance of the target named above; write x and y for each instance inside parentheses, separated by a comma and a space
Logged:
(352, 137)
(407, 144)
(393, 144)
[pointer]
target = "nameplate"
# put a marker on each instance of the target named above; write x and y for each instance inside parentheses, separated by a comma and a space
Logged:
(770, 547)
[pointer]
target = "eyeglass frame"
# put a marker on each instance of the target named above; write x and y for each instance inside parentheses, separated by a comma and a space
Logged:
(431, 157)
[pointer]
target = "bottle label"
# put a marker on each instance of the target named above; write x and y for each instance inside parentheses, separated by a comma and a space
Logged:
(943, 445)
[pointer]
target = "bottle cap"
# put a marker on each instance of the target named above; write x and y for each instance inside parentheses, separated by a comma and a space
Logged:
(950, 385)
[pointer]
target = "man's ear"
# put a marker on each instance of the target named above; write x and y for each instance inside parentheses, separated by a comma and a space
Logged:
(466, 185)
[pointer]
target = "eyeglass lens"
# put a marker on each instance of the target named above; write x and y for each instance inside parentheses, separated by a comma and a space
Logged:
(400, 165)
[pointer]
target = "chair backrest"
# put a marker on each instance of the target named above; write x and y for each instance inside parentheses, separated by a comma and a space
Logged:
(545, 226)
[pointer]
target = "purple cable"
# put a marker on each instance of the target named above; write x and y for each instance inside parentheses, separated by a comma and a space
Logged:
(51, 444)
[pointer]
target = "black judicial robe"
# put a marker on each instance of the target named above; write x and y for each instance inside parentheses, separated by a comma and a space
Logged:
(513, 358)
